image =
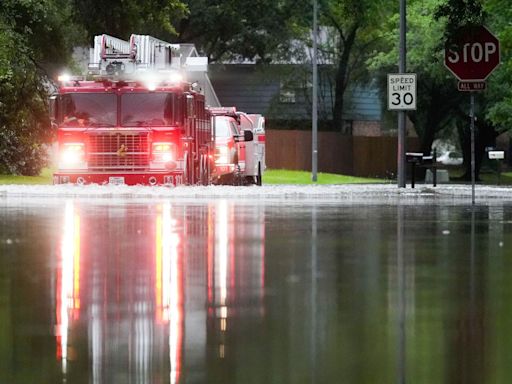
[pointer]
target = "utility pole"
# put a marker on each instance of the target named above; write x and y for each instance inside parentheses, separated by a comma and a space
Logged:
(401, 114)
(314, 117)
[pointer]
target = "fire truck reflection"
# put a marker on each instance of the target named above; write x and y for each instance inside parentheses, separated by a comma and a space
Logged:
(169, 286)
(68, 281)
(133, 312)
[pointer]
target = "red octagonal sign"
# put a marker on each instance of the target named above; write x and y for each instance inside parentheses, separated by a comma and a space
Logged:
(473, 53)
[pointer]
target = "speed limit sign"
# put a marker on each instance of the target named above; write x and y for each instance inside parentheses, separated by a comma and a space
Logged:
(402, 92)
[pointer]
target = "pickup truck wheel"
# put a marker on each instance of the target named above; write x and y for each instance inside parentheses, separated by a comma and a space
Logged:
(237, 176)
(258, 176)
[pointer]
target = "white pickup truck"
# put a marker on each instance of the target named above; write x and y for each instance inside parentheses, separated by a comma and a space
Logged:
(254, 150)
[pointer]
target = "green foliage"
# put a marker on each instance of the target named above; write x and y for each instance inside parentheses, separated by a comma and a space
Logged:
(438, 99)
(499, 93)
(460, 13)
(39, 30)
(33, 44)
(353, 33)
(441, 108)
(243, 29)
(121, 18)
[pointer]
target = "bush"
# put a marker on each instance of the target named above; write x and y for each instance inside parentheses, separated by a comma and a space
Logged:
(21, 157)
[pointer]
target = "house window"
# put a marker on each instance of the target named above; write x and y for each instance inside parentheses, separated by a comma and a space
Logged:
(286, 94)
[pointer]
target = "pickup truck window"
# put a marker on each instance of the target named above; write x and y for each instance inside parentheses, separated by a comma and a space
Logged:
(222, 128)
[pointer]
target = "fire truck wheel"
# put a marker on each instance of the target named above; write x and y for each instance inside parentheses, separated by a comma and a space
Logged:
(186, 179)
(203, 171)
(258, 176)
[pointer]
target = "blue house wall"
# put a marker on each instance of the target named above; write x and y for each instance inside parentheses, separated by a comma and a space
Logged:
(254, 89)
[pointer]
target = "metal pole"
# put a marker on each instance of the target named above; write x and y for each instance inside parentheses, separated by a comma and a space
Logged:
(314, 144)
(401, 114)
(313, 336)
(402, 302)
(472, 127)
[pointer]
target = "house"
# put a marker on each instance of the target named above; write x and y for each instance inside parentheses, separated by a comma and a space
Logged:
(282, 93)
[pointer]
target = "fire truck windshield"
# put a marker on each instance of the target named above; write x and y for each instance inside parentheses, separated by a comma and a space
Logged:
(146, 109)
(88, 109)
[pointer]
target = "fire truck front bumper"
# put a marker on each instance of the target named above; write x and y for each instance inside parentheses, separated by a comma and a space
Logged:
(146, 178)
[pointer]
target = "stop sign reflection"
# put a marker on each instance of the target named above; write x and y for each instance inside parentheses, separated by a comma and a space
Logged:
(473, 53)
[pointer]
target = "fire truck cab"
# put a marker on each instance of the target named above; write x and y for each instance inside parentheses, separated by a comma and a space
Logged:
(136, 121)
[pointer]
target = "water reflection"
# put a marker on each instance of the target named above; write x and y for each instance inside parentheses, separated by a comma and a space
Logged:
(68, 282)
(126, 299)
(223, 292)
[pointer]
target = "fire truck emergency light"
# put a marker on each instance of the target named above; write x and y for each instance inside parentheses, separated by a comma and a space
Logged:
(64, 77)
(175, 77)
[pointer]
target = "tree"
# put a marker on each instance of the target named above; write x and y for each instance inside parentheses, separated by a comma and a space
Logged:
(356, 25)
(437, 94)
(34, 43)
(499, 93)
(239, 30)
(492, 106)
(121, 18)
(442, 109)
(280, 31)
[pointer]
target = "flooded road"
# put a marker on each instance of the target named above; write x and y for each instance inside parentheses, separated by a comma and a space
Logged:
(167, 291)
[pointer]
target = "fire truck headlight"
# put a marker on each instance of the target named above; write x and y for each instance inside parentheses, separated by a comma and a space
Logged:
(72, 156)
(163, 152)
(222, 155)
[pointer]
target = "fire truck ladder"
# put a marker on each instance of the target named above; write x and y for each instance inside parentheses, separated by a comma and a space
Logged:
(114, 57)
(109, 50)
(111, 55)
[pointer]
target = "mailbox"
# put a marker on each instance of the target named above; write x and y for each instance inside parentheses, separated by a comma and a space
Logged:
(418, 159)
(496, 155)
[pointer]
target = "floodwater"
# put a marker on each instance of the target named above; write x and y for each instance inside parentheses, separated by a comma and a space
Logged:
(163, 291)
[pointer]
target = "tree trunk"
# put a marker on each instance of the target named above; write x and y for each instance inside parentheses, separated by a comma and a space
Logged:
(345, 47)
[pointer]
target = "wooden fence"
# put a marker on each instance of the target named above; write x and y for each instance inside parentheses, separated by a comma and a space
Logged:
(337, 153)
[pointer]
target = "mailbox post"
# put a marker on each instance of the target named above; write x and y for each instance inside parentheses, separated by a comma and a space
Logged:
(498, 156)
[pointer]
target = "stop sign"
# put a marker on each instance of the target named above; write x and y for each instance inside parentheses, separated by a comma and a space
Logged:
(472, 54)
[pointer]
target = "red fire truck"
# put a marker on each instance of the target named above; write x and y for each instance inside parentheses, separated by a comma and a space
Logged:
(137, 120)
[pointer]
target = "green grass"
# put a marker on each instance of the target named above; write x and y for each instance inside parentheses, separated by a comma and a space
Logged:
(281, 176)
(488, 177)
(273, 176)
(44, 178)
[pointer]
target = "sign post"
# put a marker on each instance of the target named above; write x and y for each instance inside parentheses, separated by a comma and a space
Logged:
(402, 67)
(401, 98)
(471, 55)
